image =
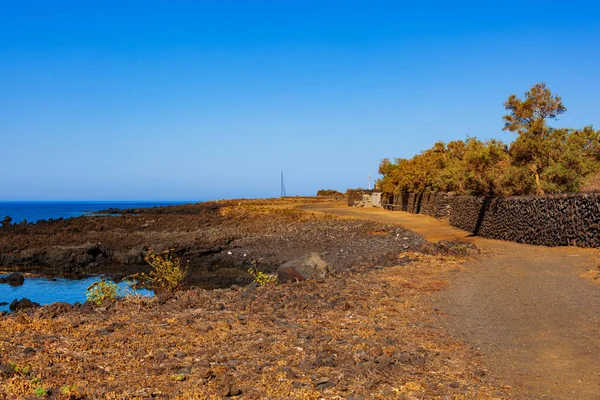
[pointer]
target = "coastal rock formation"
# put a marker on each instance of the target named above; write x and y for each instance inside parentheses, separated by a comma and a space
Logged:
(14, 279)
(6, 222)
(309, 266)
(22, 304)
(54, 310)
(221, 241)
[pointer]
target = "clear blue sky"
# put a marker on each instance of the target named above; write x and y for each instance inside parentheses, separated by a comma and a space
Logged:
(186, 100)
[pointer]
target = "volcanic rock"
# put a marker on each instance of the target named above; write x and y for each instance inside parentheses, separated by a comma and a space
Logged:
(22, 304)
(309, 266)
(14, 279)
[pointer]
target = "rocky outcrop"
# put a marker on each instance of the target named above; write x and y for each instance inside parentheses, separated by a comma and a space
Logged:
(23, 304)
(14, 279)
(221, 244)
(310, 266)
(54, 310)
(71, 259)
(6, 222)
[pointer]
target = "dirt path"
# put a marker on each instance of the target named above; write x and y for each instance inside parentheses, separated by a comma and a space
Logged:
(527, 309)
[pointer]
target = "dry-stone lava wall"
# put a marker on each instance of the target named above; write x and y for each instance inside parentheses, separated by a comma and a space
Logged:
(355, 196)
(434, 204)
(557, 220)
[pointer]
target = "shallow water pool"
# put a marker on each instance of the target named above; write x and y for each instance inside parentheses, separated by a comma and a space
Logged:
(47, 291)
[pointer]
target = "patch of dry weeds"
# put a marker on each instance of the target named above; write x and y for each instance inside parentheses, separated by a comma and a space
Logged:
(363, 335)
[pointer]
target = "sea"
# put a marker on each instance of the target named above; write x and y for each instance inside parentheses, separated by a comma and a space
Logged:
(44, 290)
(33, 211)
(49, 290)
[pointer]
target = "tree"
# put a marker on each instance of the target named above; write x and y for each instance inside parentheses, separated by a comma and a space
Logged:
(328, 192)
(483, 166)
(574, 154)
(541, 160)
(527, 118)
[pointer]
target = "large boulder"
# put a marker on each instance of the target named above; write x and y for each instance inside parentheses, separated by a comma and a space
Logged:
(130, 256)
(309, 266)
(14, 279)
(22, 304)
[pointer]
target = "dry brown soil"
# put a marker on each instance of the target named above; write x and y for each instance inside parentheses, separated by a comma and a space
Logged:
(533, 312)
(365, 332)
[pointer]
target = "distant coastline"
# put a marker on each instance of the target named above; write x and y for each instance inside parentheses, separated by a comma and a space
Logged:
(33, 211)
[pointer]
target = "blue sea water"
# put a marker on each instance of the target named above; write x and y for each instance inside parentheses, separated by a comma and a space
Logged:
(47, 291)
(33, 211)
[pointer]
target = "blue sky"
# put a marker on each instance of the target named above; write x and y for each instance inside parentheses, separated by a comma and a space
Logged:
(190, 100)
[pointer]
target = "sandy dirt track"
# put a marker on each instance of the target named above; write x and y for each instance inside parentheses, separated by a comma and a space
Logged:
(533, 312)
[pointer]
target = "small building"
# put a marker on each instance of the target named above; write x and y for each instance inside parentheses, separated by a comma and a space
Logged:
(376, 199)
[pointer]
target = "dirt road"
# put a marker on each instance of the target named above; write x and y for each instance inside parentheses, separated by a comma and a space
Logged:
(529, 310)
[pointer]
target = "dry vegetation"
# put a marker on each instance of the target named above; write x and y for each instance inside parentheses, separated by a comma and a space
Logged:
(541, 159)
(365, 332)
(365, 335)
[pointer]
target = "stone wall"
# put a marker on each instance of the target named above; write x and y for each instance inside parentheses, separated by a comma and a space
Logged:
(355, 196)
(434, 204)
(360, 197)
(559, 220)
(556, 220)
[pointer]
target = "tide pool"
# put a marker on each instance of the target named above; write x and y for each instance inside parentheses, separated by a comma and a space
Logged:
(47, 291)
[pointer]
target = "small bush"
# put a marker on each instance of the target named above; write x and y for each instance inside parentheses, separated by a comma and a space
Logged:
(260, 277)
(178, 377)
(448, 247)
(329, 192)
(167, 272)
(102, 291)
(13, 368)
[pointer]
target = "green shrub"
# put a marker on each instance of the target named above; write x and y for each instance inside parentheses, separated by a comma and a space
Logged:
(102, 291)
(167, 272)
(178, 377)
(260, 277)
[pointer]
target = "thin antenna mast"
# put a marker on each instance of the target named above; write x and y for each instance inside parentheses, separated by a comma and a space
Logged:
(369, 181)
(282, 186)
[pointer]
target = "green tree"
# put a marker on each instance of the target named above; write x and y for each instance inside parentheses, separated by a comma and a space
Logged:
(527, 118)
(541, 160)
(573, 155)
(483, 166)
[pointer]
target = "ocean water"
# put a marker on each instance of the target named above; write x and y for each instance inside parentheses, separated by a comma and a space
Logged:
(44, 290)
(33, 211)
(47, 291)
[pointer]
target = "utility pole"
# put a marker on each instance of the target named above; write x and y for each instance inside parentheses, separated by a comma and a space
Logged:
(282, 186)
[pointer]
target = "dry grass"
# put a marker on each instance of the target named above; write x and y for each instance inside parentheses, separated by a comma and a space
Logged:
(369, 334)
(591, 184)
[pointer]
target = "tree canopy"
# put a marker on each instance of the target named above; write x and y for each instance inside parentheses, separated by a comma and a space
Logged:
(540, 160)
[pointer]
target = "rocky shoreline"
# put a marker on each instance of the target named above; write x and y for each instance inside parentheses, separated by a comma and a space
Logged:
(221, 240)
(362, 331)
